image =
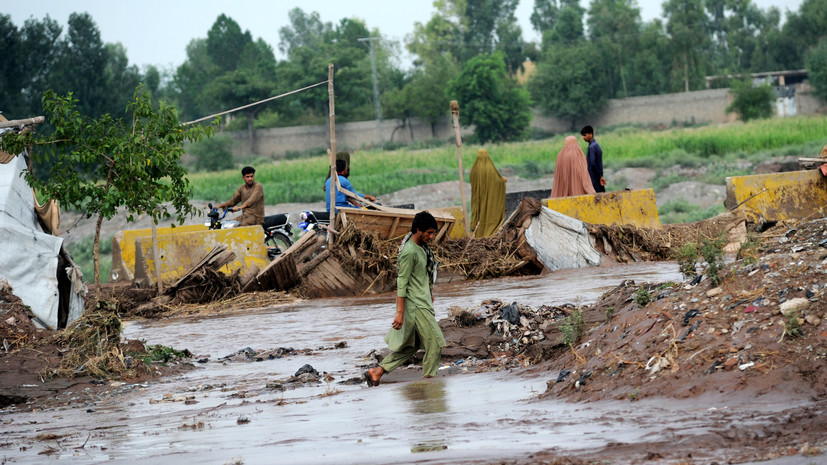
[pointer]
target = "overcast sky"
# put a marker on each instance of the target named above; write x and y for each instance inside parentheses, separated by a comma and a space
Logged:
(157, 32)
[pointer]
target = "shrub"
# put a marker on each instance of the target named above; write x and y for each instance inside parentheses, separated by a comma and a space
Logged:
(749, 249)
(572, 328)
(213, 154)
(751, 102)
(713, 252)
(642, 297)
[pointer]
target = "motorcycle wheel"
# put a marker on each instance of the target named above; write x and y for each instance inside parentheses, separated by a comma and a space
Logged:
(276, 244)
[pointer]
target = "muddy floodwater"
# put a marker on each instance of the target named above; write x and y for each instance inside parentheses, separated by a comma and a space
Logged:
(235, 412)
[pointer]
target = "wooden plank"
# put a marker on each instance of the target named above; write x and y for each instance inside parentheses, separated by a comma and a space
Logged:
(306, 268)
(442, 231)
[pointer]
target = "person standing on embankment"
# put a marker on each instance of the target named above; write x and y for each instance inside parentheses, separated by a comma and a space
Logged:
(594, 159)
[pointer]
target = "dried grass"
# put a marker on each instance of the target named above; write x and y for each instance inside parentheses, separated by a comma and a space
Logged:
(92, 344)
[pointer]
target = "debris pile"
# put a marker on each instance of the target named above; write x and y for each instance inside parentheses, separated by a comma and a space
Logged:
(16, 326)
(632, 244)
(761, 327)
(497, 329)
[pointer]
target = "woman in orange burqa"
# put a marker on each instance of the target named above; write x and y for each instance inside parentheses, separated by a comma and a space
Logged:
(571, 175)
(487, 196)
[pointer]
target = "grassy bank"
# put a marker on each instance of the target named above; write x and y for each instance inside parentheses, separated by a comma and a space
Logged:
(381, 172)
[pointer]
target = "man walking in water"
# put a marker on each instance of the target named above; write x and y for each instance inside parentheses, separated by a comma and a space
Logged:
(594, 159)
(414, 327)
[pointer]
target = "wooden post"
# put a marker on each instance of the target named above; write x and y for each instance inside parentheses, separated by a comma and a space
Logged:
(455, 118)
(157, 258)
(334, 178)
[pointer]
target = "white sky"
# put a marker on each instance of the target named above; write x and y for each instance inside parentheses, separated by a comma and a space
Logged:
(157, 32)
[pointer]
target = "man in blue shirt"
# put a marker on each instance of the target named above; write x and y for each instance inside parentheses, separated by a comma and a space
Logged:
(341, 199)
(594, 160)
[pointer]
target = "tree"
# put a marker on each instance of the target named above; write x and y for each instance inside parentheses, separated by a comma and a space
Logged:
(191, 79)
(687, 24)
(11, 69)
(544, 15)
(226, 43)
(802, 30)
(105, 163)
(651, 62)
(41, 44)
(751, 102)
(615, 25)
(120, 78)
(816, 60)
(82, 66)
(569, 83)
(490, 100)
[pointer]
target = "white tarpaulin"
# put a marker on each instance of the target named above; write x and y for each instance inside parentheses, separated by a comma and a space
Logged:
(561, 241)
(29, 257)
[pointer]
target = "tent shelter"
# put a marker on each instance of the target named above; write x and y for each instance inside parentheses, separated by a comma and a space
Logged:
(32, 260)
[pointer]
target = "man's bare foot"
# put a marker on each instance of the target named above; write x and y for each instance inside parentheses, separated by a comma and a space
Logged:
(373, 375)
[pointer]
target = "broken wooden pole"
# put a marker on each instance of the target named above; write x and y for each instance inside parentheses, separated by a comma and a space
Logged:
(455, 118)
(334, 177)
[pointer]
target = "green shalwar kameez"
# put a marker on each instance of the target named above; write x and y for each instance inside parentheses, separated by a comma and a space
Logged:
(419, 327)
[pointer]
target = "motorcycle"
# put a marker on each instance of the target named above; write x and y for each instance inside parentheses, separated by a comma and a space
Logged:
(311, 220)
(277, 230)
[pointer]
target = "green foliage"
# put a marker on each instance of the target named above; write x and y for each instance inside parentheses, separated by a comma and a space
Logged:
(572, 328)
(161, 354)
(569, 83)
(213, 154)
(751, 102)
(750, 248)
(792, 327)
(681, 211)
(490, 100)
(687, 256)
(105, 164)
(83, 254)
(642, 297)
(634, 395)
(610, 313)
(816, 61)
(712, 250)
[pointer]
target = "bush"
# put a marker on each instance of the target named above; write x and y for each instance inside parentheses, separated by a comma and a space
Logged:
(751, 102)
(687, 256)
(213, 154)
(642, 297)
(713, 253)
(572, 328)
(816, 62)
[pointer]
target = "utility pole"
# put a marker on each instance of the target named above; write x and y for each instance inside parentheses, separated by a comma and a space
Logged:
(377, 105)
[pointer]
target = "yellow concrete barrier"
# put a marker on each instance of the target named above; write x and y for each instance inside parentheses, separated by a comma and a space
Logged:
(123, 248)
(778, 196)
(637, 208)
(180, 252)
(458, 231)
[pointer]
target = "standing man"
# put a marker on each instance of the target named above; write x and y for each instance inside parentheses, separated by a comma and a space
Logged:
(414, 327)
(594, 160)
(251, 197)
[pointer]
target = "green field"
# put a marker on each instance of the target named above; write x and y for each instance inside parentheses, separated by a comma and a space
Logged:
(382, 172)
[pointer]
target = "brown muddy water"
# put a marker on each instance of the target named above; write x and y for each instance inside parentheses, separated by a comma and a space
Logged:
(236, 414)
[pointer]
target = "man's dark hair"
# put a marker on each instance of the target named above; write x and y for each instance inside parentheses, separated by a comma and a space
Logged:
(586, 130)
(341, 166)
(247, 170)
(423, 221)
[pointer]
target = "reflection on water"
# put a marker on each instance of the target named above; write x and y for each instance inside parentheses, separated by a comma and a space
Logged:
(427, 398)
